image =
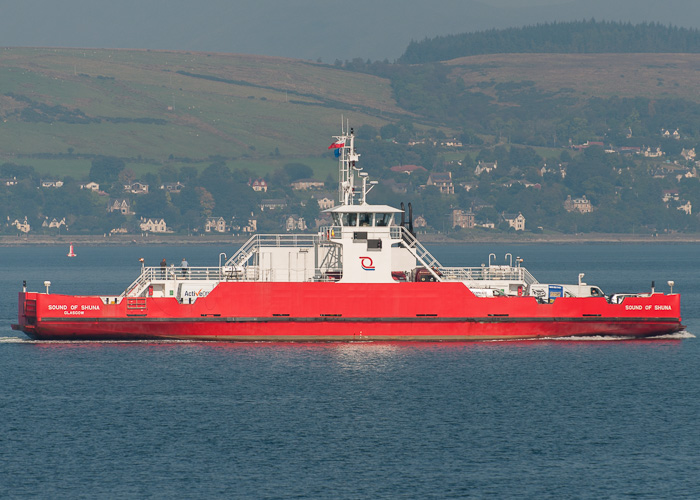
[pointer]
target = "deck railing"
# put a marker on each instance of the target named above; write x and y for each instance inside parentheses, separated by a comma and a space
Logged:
(154, 274)
(257, 241)
(506, 273)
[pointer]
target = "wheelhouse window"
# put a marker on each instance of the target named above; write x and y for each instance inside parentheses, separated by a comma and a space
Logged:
(349, 219)
(336, 219)
(365, 219)
(382, 219)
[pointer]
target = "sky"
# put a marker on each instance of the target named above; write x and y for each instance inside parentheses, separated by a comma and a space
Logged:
(304, 29)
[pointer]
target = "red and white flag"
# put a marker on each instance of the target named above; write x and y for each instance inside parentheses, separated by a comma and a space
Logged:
(336, 145)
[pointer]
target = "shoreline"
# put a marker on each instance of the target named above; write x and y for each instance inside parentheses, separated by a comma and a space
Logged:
(126, 240)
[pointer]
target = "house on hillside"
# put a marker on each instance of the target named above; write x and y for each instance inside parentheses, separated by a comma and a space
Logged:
(670, 194)
(121, 205)
(155, 225)
(305, 184)
(685, 206)
(517, 222)
(688, 154)
(485, 166)
(92, 186)
(22, 226)
(325, 203)
(217, 224)
(443, 181)
(652, 153)
(273, 204)
(172, 187)
(53, 223)
(136, 188)
(407, 169)
(295, 222)
(587, 144)
(51, 184)
(463, 219)
(258, 184)
(581, 205)
(667, 134)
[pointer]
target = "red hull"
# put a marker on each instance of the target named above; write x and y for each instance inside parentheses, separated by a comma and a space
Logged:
(248, 311)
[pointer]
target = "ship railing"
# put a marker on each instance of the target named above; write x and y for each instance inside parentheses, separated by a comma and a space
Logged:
(257, 241)
(329, 233)
(153, 274)
(140, 283)
(505, 273)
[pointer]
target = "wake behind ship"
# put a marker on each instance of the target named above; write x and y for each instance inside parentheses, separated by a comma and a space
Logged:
(366, 277)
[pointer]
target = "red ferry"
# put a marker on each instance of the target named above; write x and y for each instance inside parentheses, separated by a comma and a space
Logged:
(364, 278)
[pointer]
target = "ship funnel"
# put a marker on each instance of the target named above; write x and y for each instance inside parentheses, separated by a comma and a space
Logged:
(410, 219)
(403, 215)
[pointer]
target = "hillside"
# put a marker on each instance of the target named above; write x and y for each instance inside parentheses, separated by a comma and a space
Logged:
(202, 119)
(64, 105)
(573, 37)
(582, 76)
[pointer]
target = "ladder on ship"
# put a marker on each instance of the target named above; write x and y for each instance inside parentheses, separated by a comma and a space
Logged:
(416, 248)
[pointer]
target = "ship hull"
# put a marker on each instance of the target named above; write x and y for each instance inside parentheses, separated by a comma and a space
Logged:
(302, 312)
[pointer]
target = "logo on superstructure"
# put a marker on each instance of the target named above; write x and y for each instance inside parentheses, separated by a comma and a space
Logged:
(367, 263)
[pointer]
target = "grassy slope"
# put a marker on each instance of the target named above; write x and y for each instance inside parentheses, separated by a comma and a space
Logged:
(586, 75)
(247, 120)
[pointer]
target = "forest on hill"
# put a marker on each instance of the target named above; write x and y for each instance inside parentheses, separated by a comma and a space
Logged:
(575, 37)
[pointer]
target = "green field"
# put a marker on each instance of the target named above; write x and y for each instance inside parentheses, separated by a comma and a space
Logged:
(154, 108)
(268, 112)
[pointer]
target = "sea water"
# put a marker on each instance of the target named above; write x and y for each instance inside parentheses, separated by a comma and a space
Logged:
(539, 419)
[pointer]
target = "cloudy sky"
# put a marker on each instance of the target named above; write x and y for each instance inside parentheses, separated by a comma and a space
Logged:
(305, 29)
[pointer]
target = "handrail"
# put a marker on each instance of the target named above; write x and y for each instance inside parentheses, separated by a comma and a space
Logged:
(506, 273)
(150, 274)
(256, 241)
(411, 243)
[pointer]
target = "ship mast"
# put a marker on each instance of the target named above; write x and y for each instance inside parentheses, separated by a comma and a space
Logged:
(348, 193)
(347, 160)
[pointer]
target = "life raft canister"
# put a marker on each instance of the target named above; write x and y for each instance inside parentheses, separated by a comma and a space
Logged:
(520, 290)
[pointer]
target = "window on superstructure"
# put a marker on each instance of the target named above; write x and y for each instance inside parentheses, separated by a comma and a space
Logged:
(350, 219)
(336, 219)
(365, 219)
(382, 219)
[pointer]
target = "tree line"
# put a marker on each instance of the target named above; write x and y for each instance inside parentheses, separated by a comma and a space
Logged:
(575, 37)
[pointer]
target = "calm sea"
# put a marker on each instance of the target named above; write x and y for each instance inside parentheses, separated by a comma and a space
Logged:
(542, 419)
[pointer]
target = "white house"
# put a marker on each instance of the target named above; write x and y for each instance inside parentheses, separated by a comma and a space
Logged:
(23, 226)
(325, 203)
(136, 188)
(120, 205)
(217, 224)
(172, 187)
(92, 186)
(51, 184)
(294, 222)
(54, 223)
(153, 225)
(258, 185)
(485, 166)
(517, 222)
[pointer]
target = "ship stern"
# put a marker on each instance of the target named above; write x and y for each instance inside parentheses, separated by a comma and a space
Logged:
(26, 314)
